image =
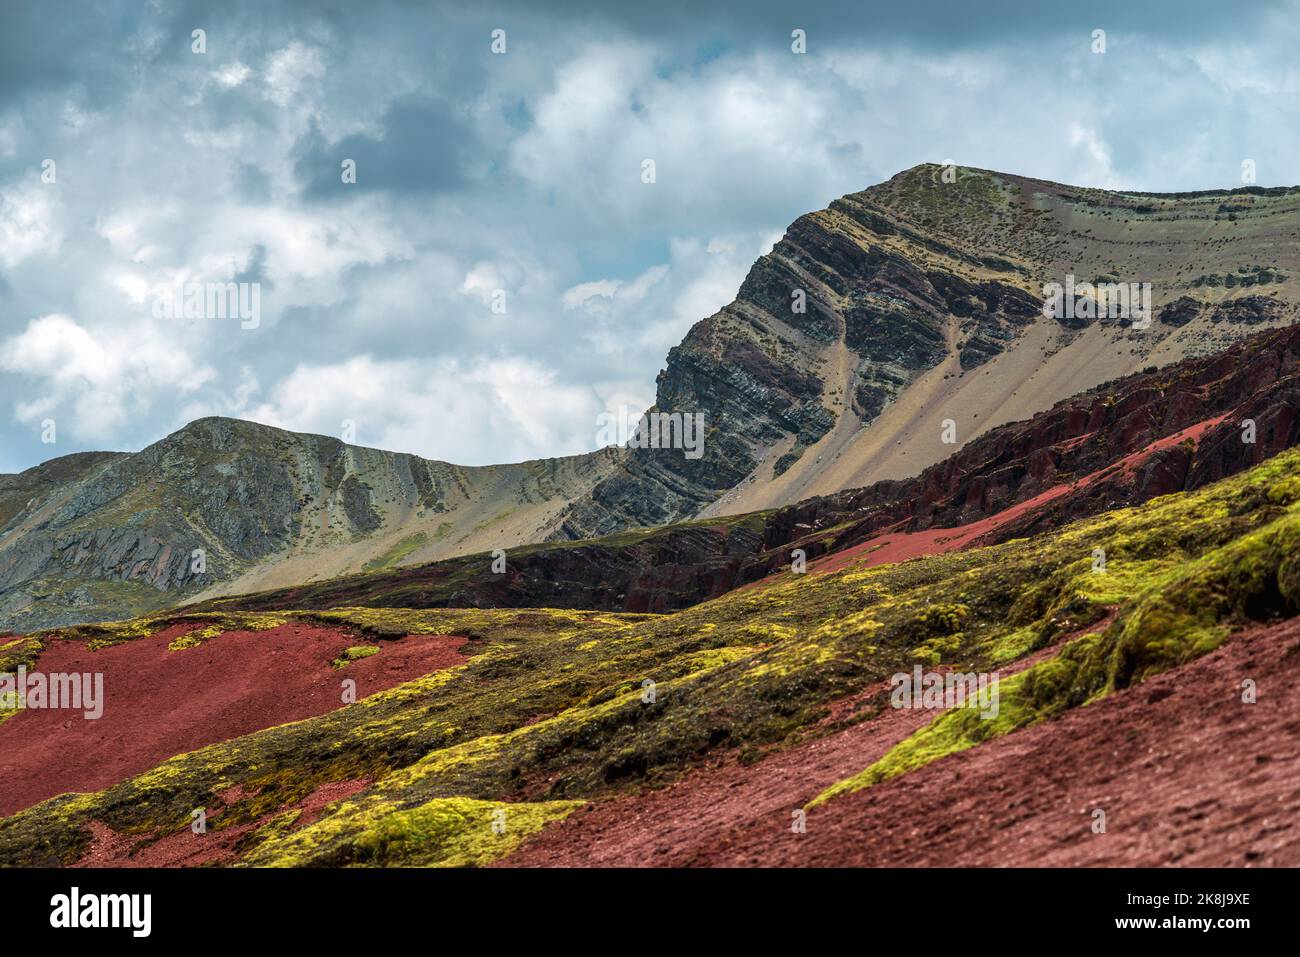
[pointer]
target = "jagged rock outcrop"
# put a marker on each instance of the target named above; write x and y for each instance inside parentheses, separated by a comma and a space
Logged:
(1181, 311)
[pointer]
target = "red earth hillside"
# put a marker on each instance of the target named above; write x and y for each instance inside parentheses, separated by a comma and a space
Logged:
(1196, 778)
(160, 703)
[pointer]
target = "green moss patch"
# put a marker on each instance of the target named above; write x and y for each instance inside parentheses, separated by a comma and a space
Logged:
(443, 832)
(355, 653)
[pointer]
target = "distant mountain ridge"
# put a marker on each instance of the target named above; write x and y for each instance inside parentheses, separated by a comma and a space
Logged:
(922, 305)
(102, 535)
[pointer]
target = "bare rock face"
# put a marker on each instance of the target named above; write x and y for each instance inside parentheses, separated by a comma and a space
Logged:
(935, 268)
(199, 504)
(837, 320)
(858, 300)
(1174, 430)
(1181, 311)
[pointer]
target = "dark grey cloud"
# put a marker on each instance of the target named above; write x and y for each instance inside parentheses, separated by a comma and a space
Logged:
(424, 146)
(51, 45)
(937, 24)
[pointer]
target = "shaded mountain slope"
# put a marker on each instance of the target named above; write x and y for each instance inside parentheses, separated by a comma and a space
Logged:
(1121, 444)
(555, 708)
(644, 570)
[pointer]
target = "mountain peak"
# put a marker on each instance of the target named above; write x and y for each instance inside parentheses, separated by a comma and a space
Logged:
(874, 328)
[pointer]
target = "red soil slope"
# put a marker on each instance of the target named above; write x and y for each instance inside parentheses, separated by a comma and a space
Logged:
(1196, 777)
(900, 546)
(160, 703)
(652, 828)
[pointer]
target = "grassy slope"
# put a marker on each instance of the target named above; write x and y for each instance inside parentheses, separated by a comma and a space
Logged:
(552, 706)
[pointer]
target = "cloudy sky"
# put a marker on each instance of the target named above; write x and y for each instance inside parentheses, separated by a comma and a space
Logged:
(481, 173)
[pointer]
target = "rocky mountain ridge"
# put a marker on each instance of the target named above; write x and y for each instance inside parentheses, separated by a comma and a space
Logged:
(1157, 433)
(850, 348)
(224, 501)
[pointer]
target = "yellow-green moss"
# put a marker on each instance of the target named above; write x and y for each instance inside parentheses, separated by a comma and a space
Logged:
(1176, 613)
(1011, 646)
(195, 638)
(443, 832)
(355, 653)
(106, 634)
